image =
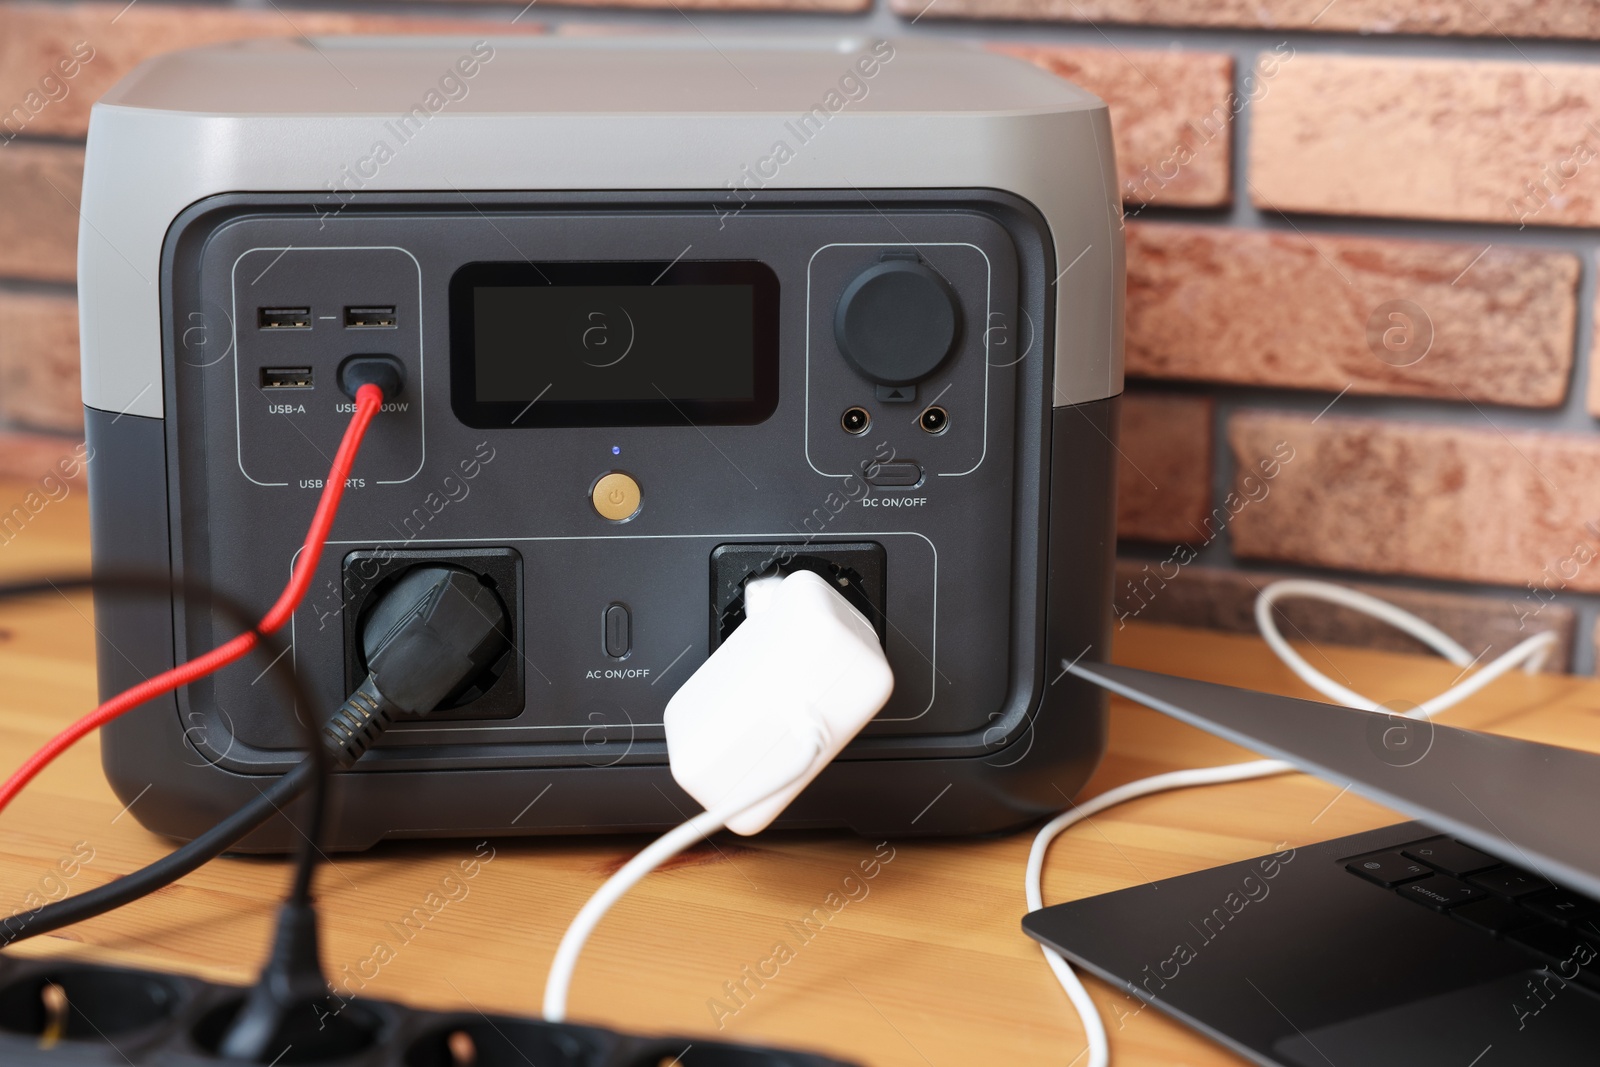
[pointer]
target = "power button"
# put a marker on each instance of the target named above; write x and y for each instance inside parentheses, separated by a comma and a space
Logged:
(616, 497)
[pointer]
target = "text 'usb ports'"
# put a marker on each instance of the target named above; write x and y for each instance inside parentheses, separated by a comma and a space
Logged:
(283, 318)
(370, 318)
(286, 378)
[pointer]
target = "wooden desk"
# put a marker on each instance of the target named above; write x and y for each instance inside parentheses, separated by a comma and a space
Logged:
(929, 968)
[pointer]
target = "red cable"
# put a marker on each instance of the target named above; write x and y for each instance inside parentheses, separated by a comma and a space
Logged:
(369, 398)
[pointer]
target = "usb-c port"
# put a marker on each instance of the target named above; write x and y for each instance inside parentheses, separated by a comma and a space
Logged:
(286, 378)
(370, 318)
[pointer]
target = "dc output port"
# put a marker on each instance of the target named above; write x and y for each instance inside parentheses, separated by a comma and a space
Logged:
(855, 420)
(934, 420)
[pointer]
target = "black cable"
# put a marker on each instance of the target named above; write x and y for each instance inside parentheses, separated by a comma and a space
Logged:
(433, 632)
(429, 635)
(170, 868)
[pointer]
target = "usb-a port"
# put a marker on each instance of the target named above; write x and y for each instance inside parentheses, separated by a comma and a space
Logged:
(286, 378)
(370, 318)
(283, 318)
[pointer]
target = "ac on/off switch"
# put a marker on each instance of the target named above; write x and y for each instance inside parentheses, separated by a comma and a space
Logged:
(617, 631)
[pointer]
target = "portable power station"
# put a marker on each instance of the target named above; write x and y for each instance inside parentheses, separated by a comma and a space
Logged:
(671, 313)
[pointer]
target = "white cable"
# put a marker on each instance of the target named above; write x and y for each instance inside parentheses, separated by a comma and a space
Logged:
(1531, 653)
(750, 729)
(1094, 1028)
(559, 983)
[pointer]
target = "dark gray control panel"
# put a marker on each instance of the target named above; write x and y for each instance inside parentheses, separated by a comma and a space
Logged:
(616, 606)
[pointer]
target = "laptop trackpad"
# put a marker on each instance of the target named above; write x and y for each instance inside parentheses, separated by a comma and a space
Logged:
(1529, 1017)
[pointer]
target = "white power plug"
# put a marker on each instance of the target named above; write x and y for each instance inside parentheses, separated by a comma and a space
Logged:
(751, 728)
(804, 672)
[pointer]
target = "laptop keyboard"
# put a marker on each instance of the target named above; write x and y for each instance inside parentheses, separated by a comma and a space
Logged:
(1561, 928)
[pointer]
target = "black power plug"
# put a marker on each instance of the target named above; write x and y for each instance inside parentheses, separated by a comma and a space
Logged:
(367, 578)
(430, 635)
(282, 1013)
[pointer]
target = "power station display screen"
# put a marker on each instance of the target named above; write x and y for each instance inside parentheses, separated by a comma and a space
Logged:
(632, 343)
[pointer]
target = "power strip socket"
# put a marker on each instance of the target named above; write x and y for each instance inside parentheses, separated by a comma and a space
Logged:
(54, 1013)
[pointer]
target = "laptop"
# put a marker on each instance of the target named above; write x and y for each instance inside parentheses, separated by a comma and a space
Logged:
(1468, 937)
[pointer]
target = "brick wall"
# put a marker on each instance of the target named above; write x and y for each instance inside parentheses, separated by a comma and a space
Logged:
(1361, 291)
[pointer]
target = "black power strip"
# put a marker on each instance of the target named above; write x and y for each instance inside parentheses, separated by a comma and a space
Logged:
(54, 1013)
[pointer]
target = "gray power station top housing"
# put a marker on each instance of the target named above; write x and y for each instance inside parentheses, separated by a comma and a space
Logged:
(847, 305)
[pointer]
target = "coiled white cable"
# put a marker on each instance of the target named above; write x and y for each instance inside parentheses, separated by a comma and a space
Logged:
(1530, 654)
